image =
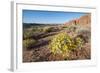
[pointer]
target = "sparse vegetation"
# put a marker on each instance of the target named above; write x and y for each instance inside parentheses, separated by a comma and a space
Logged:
(56, 42)
(47, 29)
(84, 34)
(65, 27)
(29, 43)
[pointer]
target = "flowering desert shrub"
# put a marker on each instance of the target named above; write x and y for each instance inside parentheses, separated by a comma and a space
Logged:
(63, 44)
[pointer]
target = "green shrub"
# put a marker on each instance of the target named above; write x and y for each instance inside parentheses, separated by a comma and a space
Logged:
(48, 29)
(65, 27)
(29, 43)
(63, 44)
(31, 32)
(27, 34)
(37, 29)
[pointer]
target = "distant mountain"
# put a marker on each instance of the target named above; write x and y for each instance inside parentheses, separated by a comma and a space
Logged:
(28, 25)
(83, 20)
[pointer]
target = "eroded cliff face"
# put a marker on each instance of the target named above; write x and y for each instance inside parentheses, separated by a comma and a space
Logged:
(83, 20)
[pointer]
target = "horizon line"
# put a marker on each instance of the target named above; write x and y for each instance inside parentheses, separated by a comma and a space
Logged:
(42, 23)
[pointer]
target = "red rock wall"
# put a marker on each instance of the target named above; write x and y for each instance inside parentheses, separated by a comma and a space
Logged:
(84, 20)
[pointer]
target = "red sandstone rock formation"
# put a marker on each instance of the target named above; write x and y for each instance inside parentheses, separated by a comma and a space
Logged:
(83, 20)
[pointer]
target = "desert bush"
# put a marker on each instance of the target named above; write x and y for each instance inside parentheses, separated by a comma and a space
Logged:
(31, 32)
(63, 44)
(72, 28)
(64, 27)
(37, 29)
(29, 43)
(85, 34)
(27, 34)
(48, 29)
(78, 41)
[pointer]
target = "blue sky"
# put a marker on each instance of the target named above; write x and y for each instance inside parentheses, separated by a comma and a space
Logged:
(34, 16)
